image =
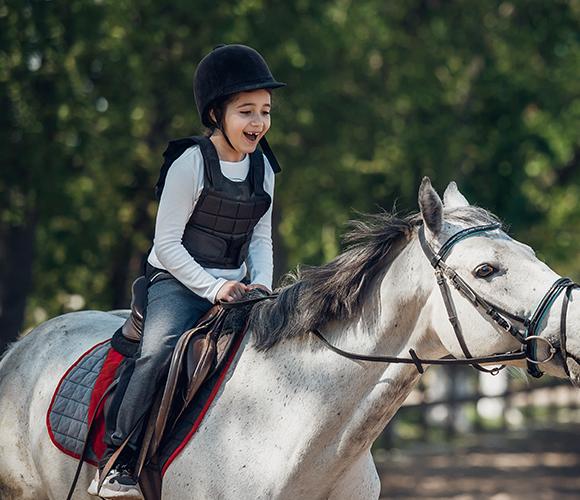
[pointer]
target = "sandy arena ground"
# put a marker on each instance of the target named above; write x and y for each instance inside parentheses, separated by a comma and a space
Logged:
(532, 465)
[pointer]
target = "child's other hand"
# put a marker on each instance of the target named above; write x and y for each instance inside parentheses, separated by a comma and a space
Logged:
(230, 291)
(261, 287)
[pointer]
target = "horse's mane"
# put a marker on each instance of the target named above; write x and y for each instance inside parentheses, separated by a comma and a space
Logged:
(337, 290)
(7, 349)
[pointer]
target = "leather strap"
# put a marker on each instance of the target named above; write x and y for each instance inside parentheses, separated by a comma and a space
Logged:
(270, 155)
(88, 439)
(244, 302)
(419, 362)
(454, 320)
(563, 321)
(148, 434)
(113, 458)
(173, 376)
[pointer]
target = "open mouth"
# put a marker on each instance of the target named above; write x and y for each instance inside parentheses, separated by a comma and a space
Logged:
(252, 136)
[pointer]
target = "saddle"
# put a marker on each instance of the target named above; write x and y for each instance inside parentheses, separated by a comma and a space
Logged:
(199, 354)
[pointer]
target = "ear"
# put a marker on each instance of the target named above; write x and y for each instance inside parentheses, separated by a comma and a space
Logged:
(452, 198)
(212, 115)
(431, 206)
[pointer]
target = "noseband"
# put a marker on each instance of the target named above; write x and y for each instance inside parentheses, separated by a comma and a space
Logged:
(527, 335)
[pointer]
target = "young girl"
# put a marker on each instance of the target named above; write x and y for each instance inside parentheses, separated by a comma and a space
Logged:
(213, 227)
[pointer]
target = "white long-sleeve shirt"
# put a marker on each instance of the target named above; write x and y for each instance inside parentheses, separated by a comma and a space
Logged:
(183, 185)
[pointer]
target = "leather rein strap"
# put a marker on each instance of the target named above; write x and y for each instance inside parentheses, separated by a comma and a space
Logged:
(419, 362)
(414, 359)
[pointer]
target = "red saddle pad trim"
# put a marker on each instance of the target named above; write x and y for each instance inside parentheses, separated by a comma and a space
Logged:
(97, 415)
(48, 426)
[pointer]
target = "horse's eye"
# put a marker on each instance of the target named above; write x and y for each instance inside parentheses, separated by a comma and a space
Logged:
(484, 271)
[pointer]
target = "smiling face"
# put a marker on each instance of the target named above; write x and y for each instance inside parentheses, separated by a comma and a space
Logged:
(246, 120)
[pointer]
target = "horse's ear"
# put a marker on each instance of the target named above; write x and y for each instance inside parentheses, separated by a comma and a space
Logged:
(431, 206)
(452, 198)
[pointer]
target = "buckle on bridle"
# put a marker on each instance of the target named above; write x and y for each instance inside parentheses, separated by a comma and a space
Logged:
(552, 350)
(502, 322)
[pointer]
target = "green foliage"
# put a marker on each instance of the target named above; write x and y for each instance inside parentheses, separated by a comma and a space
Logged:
(380, 94)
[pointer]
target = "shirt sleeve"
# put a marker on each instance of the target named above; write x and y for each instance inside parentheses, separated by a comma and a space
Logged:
(183, 186)
(260, 254)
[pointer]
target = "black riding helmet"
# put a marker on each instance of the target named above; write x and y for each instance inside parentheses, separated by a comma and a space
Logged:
(229, 69)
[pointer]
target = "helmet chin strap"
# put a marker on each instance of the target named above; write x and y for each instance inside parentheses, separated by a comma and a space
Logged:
(226, 137)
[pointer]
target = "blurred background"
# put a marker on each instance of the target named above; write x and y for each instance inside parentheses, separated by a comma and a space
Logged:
(379, 94)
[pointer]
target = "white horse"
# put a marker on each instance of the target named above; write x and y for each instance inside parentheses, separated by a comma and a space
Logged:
(296, 420)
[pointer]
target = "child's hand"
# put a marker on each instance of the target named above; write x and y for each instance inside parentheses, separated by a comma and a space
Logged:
(261, 287)
(230, 291)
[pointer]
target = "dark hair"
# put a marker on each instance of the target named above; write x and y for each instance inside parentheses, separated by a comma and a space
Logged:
(218, 106)
(219, 110)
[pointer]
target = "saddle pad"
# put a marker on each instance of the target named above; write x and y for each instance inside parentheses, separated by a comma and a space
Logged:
(76, 400)
(78, 393)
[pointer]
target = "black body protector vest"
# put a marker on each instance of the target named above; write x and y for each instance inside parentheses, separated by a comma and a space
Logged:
(219, 231)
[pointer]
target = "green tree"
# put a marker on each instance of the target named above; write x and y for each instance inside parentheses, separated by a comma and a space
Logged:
(380, 94)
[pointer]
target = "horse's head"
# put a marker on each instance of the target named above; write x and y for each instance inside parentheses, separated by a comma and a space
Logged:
(499, 282)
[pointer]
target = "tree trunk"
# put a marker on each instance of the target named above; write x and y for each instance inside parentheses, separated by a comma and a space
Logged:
(16, 258)
(126, 265)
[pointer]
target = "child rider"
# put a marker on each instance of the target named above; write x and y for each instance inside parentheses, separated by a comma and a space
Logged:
(213, 227)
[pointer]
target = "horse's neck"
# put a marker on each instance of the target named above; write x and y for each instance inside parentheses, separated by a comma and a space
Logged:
(353, 401)
(402, 322)
(310, 415)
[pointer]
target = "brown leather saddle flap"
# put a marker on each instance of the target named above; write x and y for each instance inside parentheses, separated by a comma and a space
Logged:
(199, 353)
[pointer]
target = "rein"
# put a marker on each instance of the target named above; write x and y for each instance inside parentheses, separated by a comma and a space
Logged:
(528, 335)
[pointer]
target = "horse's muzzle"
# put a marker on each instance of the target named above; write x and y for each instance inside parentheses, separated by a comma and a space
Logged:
(573, 370)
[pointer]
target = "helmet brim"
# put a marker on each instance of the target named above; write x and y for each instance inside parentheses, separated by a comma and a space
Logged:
(270, 84)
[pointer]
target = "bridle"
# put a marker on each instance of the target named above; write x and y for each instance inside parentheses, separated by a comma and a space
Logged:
(527, 334)
(504, 320)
